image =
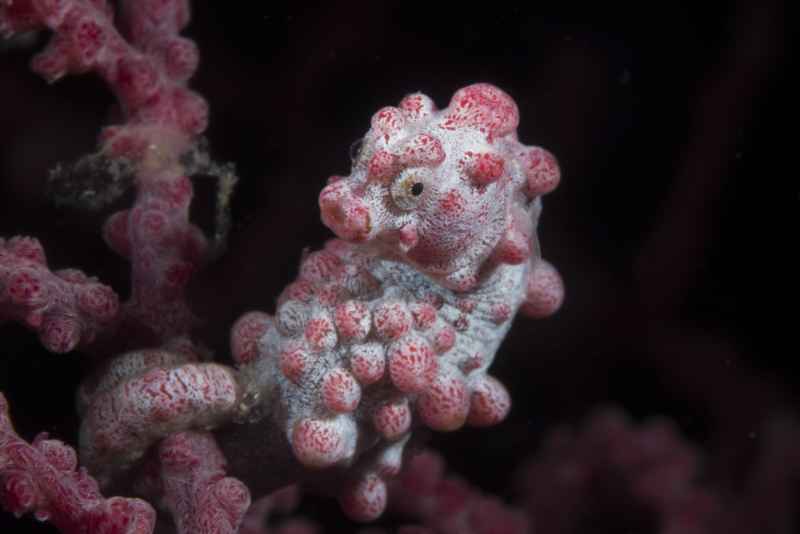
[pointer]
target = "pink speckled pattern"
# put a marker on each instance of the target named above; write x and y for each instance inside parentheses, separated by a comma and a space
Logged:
(395, 323)
(196, 490)
(66, 307)
(43, 478)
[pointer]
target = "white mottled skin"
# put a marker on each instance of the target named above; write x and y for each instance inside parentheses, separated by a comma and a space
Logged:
(483, 335)
(282, 403)
(401, 282)
(405, 248)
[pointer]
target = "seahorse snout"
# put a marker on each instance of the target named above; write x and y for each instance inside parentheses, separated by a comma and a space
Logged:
(345, 213)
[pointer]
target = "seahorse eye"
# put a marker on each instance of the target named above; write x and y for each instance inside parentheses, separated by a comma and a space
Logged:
(408, 187)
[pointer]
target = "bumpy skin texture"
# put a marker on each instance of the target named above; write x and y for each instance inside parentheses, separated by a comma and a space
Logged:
(146, 395)
(147, 69)
(149, 393)
(196, 490)
(66, 307)
(43, 478)
(396, 323)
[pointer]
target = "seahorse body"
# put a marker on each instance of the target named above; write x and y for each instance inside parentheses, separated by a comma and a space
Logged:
(396, 322)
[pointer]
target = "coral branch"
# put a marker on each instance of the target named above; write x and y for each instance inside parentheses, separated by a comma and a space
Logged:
(164, 249)
(200, 497)
(146, 396)
(43, 478)
(147, 75)
(66, 307)
(163, 118)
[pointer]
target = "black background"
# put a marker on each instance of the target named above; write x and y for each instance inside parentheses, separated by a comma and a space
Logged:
(674, 226)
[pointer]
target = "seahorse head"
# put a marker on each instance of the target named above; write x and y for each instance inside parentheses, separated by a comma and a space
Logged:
(450, 191)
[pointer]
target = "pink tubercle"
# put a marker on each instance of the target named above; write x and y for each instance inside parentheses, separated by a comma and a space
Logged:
(542, 171)
(545, 291)
(318, 443)
(368, 362)
(489, 403)
(483, 167)
(445, 403)
(412, 365)
(340, 391)
(388, 121)
(353, 320)
(364, 499)
(320, 333)
(294, 360)
(392, 419)
(444, 339)
(392, 320)
(424, 315)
